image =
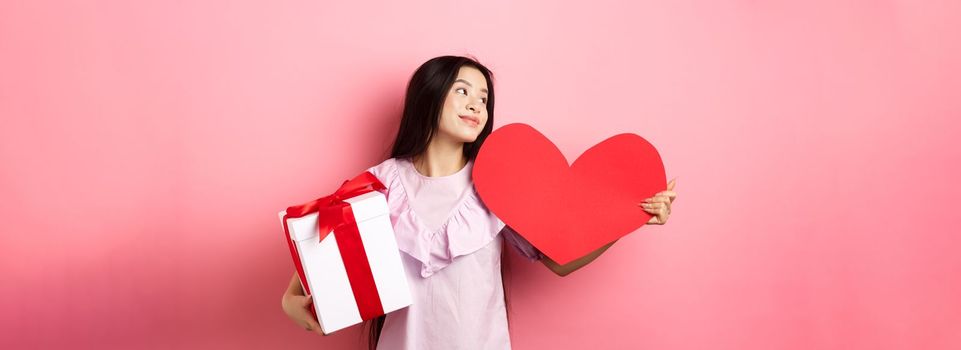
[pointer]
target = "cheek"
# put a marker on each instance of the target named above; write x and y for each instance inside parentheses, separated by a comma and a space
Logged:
(451, 102)
(450, 121)
(451, 117)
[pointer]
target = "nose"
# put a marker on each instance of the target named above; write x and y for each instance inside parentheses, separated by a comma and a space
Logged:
(472, 108)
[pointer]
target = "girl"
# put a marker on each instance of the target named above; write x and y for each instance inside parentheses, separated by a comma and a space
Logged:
(452, 244)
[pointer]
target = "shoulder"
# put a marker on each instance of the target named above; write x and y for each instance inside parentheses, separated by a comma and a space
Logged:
(385, 171)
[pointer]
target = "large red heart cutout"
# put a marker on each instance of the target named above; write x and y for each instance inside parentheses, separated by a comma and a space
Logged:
(567, 211)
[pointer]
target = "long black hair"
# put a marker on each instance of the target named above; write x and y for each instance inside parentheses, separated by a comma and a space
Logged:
(426, 92)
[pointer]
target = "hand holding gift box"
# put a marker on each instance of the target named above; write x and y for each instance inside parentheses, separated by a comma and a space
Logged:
(346, 255)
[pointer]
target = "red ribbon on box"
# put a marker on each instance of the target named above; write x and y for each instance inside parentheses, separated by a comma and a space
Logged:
(336, 215)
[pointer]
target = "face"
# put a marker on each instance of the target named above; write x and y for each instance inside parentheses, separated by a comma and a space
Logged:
(465, 107)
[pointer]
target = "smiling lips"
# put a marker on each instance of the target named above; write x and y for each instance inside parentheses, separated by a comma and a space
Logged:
(470, 120)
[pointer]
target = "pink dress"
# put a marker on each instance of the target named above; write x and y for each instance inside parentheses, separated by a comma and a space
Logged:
(451, 246)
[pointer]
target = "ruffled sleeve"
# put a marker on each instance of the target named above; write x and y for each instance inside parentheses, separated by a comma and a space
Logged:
(470, 227)
(385, 173)
(522, 245)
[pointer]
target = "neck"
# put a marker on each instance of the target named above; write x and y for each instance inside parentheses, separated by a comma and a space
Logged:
(441, 158)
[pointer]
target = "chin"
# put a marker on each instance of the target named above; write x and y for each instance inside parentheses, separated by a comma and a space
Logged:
(469, 138)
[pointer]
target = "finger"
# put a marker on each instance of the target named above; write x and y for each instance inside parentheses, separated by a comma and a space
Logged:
(656, 215)
(653, 200)
(655, 205)
(670, 185)
(655, 208)
(668, 194)
(306, 301)
(653, 221)
(313, 326)
(661, 199)
(651, 209)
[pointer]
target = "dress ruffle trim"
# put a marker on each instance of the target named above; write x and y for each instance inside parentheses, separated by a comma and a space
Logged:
(470, 227)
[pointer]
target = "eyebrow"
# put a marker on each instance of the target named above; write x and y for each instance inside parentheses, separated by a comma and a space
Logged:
(469, 84)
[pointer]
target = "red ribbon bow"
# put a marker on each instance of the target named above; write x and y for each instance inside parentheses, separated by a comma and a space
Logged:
(334, 212)
(335, 215)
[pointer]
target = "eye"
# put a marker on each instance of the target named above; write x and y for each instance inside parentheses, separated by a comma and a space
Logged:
(464, 91)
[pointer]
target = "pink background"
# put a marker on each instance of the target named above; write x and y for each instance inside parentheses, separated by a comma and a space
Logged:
(146, 148)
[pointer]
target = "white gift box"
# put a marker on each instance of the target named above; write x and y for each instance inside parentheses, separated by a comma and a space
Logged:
(324, 270)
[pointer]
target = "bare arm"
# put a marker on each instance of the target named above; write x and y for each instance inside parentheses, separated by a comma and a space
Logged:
(566, 269)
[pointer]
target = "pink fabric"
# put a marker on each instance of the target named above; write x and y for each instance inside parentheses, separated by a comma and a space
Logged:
(453, 248)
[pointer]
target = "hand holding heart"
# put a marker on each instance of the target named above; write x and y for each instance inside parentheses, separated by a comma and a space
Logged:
(660, 204)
